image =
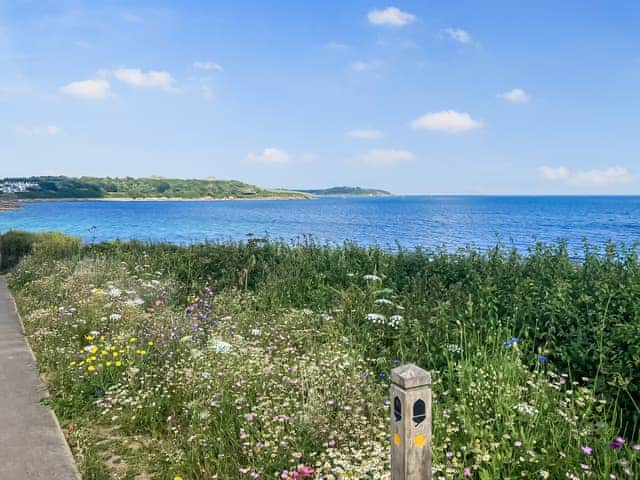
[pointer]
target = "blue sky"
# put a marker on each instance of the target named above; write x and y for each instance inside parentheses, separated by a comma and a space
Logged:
(414, 96)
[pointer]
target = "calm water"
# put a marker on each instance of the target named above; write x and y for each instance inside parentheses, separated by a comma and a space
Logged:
(410, 221)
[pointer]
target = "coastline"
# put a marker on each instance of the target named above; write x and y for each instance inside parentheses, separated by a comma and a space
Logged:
(158, 199)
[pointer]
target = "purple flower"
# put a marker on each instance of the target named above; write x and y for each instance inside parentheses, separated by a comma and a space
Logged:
(617, 443)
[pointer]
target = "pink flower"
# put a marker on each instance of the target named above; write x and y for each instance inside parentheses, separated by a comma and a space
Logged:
(467, 472)
(587, 450)
(517, 443)
(249, 416)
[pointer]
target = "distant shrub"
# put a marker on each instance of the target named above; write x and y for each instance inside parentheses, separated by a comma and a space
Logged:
(14, 245)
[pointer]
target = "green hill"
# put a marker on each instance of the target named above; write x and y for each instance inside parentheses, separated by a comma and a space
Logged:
(138, 188)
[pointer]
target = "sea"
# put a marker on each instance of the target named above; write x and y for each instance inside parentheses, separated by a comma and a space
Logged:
(430, 222)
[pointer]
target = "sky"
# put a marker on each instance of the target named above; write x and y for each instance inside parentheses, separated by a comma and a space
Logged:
(416, 97)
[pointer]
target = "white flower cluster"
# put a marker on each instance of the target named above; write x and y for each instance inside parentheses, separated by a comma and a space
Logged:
(393, 321)
(526, 408)
(453, 348)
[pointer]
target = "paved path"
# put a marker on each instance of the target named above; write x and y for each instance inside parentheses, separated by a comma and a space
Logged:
(31, 443)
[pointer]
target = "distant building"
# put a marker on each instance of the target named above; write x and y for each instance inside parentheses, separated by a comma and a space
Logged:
(16, 186)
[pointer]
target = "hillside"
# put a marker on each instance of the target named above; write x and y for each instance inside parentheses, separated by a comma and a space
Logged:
(138, 188)
(339, 191)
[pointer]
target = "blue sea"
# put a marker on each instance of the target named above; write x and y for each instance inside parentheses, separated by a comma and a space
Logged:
(408, 221)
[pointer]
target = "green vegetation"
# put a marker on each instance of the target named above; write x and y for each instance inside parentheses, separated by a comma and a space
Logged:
(140, 188)
(232, 360)
(347, 191)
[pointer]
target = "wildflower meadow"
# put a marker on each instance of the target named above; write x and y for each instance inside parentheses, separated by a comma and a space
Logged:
(265, 359)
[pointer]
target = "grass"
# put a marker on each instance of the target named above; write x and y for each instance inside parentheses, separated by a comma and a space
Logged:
(263, 359)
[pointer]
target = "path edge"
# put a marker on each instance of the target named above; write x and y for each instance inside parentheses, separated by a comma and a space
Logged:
(68, 450)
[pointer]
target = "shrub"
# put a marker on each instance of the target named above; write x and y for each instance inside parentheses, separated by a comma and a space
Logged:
(14, 245)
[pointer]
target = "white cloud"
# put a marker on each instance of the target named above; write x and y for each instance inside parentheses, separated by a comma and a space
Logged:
(269, 155)
(586, 178)
(46, 131)
(448, 121)
(390, 16)
(365, 134)
(459, 35)
(365, 66)
(554, 173)
(517, 95)
(93, 89)
(207, 65)
(385, 158)
(138, 78)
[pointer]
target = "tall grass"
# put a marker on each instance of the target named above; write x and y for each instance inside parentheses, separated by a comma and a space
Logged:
(536, 357)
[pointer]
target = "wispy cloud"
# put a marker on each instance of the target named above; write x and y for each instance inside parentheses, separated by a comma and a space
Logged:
(138, 78)
(207, 91)
(391, 16)
(385, 158)
(208, 65)
(459, 35)
(44, 131)
(448, 121)
(269, 155)
(96, 89)
(337, 46)
(365, 134)
(517, 95)
(361, 66)
(586, 178)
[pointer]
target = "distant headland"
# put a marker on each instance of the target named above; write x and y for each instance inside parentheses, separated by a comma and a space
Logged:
(347, 191)
(153, 188)
(128, 188)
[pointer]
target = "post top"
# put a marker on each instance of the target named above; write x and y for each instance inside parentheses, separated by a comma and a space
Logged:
(410, 376)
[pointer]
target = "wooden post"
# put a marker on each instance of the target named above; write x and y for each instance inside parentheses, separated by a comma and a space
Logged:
(411, 442)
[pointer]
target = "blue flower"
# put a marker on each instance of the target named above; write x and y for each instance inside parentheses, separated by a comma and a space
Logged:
(507, 344)
(381, 375)
(396, 362)
(515, 340)
(542, 358)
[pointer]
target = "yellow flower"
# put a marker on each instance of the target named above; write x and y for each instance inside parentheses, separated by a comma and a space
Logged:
(94, 349)
(118, 363)
(108, 364)
(115, 354)
(132, 339)
(89, 337)
(73, 364)
(150, 343)
(91, 368)
(177, 477)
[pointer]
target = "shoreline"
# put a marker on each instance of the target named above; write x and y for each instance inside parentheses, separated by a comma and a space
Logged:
(157, 199)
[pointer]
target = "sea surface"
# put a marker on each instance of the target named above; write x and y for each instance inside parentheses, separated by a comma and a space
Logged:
(409, 221)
